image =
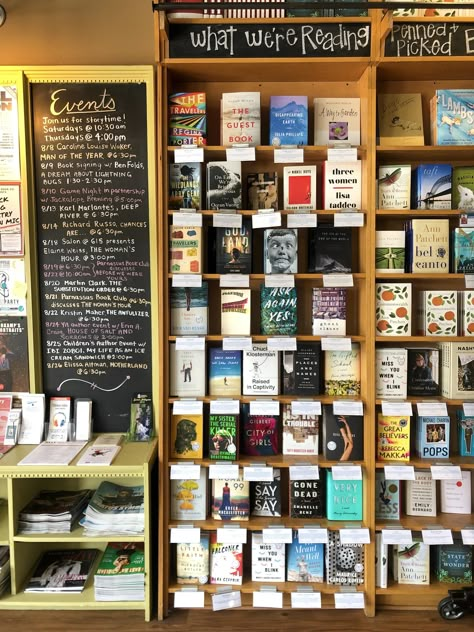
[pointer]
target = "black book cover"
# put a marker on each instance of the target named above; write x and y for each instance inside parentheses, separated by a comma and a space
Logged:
(233, 249)
(224, 185)
(302, 369)
(307, 499)
(343, 436)
(330, 250)
(14, 355)
(266, 496)
(423, 371)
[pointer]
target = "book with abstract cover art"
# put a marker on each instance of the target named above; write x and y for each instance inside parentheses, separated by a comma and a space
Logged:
(288, 120)
(14, 355)
(230, 499)
(192, 561)
(224, 185)
(185, 250)
(465, 428)
(240, 118)
(235, 312)
(300, 433)
(299, 188)
(463, 250)
(278, 313)
(184, 189)
(226, 563)
(266, 496)
(305, 562)
(400, 119)
(390, 251)
(13, 287)
(224, 437)
(187, 118)
(186, 436)
(262, 191)
(329, 311)
(234, 249)
(387, 497)
(302, 369)
(189, 310)
(345, 563)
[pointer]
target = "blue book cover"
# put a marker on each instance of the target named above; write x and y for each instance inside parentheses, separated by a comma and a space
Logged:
(225, 373)
(465, 430)
(432, 437)
(278, 310)
(304, 562)
(452, 117)
(432, 186)
(463, 250)
(343, 498)
(189, 310)
(288, 120)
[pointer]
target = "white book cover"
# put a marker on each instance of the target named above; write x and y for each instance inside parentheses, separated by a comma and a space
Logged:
(187, 372)
(235, 312)
(420, 495)
(342, 185)
(394, 187)
(413, 563)
(337, 120)
(99, 455)
(13, 294)
(456, 496)
(240, 118)
(391, 373)
(466, 304)
(393, 309)
(188, 498)
(260, 370)
(390, 251)
(438, 313)
(59, 418)
(33, 414)
(268, 560)
(457, 370)
(381, 562)
(299, 188)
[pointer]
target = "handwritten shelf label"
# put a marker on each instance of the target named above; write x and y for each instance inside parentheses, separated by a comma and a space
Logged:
(306, 600)
(226, 601)
(302, 220)
(240, 154)
(223, 470)
(189, 154)
(300, 407)
(227, 220)
(427, 39)
(266, 220)
(288, 155)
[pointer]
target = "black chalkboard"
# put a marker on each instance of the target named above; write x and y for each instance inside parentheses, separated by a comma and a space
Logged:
(269, 40)
(91, 183)
(430, 39)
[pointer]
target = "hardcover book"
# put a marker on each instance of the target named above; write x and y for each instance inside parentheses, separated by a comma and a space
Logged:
(305, 562)
(457, 370)
(330, 250)
(187, 372)
(424, 371)
(224, 437)
(278, 313)
(225, 373)
(188, 498)
(235, 312)
(300, 433)
(344, 498)
(394, 187)
(453, 563)
(463, 188)
(186, 436)
(226, 562)
(337, 121)
(466, 305)
(342, 372)
(268, 560)
(260, 433)
(432, 437)
(400, 119)
(413, 563)
(189, 310)
(393, 309)
(187, 118)
(329, 311)
(240, 118)
(381, 561)
(265, 496)
(343, 436)
(184, 189)
(288, 120)
(387, 497)
(345, 563)
(185, 250)
(302, 369)
(192, 561)
(234, 249)
(429, 250)
(280, 251)
(420, 495)
(391, 373)
(432, 186)
(393, 438)
(230, 499)
(224, 185)
(452, 117)
(307, 499)
(438, 313)
(463, 250)
(262, 190)
(299, 188)
(456, 495)
(261, 370)
(465, 428)
(342, 185)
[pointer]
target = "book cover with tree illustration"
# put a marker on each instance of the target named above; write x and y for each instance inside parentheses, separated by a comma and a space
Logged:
(186, 436)
(188, 498)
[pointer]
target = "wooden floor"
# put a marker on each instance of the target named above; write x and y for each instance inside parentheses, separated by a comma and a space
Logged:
(242, 620)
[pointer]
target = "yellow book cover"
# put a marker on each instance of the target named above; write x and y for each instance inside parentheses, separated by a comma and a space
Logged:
(400, 119)
(393, 438)
(186, 436)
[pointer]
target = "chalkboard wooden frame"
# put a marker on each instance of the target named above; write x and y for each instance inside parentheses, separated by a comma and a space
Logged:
(133, 114)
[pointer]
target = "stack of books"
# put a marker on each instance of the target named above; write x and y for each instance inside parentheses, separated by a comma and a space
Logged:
(120, 575)
(64, 571)
(115, 509)
(53, 511)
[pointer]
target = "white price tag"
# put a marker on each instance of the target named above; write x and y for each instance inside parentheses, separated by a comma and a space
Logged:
(281, 156)
(266, 220)
(222, 471)
(347, 473)
(469, 281)
(437, 536)
(189, 599)
(182, 471)
(189, 154)
(397, 536)
(240, 154)
(354, 536)
(237, 344)
(224, 407)
(187, 407)
(342, 154)
(264, 407)
(338, 280)
(397, 408)
(187, 219)
(304, 473)
(186, 280)
(348, 219)
(446, 472)
(468, 409)
(399, 472)
(467, 536)
(234, 280)
(432, 409)
(279, 280)
(226, 601)
(281, 344)
(348, 407)
(227, 220)
(336, 344)
(312, 536)
(231, 536)
(302, 220)
(306, 600)
(277, 536)
(349, 600)
(183, 535)
(258, 473)
(194, 343)
(299, 407)
(268, 599)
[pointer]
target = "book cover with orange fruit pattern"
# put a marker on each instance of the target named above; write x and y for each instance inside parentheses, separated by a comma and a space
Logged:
(438, 313)
(393, 309)
(466, 304)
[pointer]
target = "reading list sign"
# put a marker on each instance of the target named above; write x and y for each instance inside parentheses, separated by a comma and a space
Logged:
(90, 150)
(430, 39)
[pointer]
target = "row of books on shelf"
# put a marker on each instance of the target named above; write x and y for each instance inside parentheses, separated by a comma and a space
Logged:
(440, 8)
(230, 250)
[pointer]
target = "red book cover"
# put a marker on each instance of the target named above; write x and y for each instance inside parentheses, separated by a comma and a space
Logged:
(299, 189)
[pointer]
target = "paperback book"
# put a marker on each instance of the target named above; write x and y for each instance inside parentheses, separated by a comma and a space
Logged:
(343, 436)
(187, 118)
(188, 498)
(184, 188)
(224, 185)
(288, 119)
(234, 249)
(225, 373)
(342, 372)
(262, 191)
(226, 562)
(336, 121)
(224, 437)
(391, 373)
(400, 119)
(185, 250)
(300, 433)
(329, 307)
(230, 499)
(189, 308)
(265, 496)
(278, 311)
(330, 250)
(302, 369)
(432, 186)
(394, 187)
(305, 562)
(299, 188)
(235, 312)
(240, 118)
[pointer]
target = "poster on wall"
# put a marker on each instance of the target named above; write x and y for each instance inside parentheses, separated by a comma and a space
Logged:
(11, 227)
(9, 139)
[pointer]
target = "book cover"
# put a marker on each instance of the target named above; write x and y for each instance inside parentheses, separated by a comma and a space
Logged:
(302, 369)
(423, 371)
(342, 372)
(394, 187)
(345, 563)
(452, 117)
(438, 313)
(400, 119)
(99, 455)
(393, 309)
(59, 418)
(235, 312)
(453, 563)
(185, 250)
(432, 186)
(240, 118)
(226, 562)
(344, 498)
(391, 373)
(307, 499)
(268, 560)
(188, 498)
(224, 185)
(184, 187)
(119, 559)
(300, 433)
(457, 370)
(187, 372)
(342, 185)
(280, 250)
(187, 118)
(192, 561)
(343, 436)
(329, 313)
(141, 416)
(261, 370)
(463, 188)
(413, 563)
(62, 571)
(299, 188)
(432, 437)
(330, 250)
(224, 437)
(225, 373)
(393, 437)
(14, 372)
(429, 250)
(262, 190)
(5, 408)
(265, 496)
(189, 308)
(288, 120)
(337, 121)
(381, 561)
(278, 313)
(33, 416)
(465, 428)
(230, 499)
(234, 249)
(456, 495)
(466, 312)
(305, 562)
(463, 250)
(420, 495)
(387, 497)
(186, 436)
(260, 433)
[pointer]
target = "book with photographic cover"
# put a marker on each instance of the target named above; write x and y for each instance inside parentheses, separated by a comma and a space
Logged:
(288, 120)
(260, 434)
(329, 314)
(265, 496)
(307, 499)
(432, 186)
(299, 188)
(224, 437)
(457, 370)
(224, 185)
(305, 562)
(192, 561)
(234, 249)
(262, 190)
(278, 311)
(300, 433)
(465, 429)
(336, 120)
(226, 562)
(230, 499)
(345, 563)
(432, 437)
(187, 372)
(185, 184)
(343, 436)
(302, 369)
(188, 498)
(424, 370)
(330, 250)
(225, 372)
(189, 308)
(268, 560)
(280, 250)
(390, 251)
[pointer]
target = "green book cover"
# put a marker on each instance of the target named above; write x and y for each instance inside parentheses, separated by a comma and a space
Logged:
(122, 558)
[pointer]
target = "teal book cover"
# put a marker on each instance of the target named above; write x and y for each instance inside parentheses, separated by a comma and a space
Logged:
(463, 250)
(278, 313)
(304, 562)
(288, 120)
(454, 563)
(343, 498)
(452, 117)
